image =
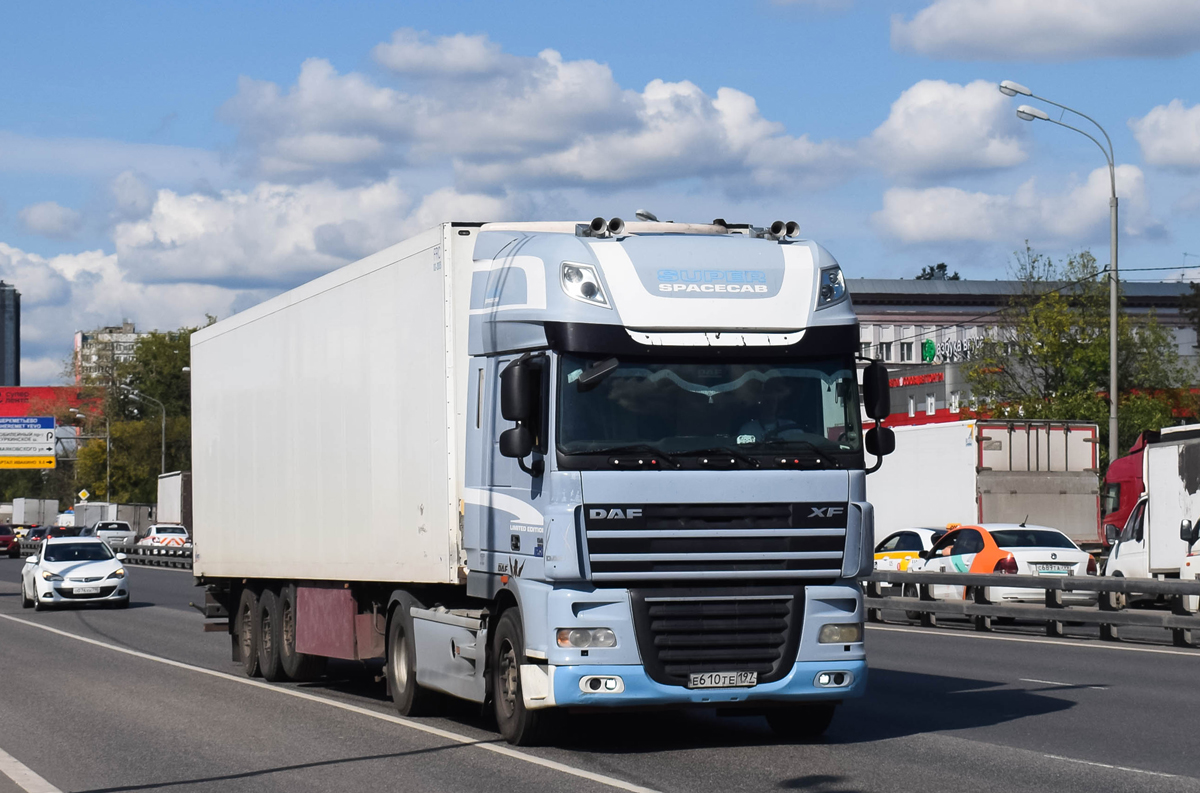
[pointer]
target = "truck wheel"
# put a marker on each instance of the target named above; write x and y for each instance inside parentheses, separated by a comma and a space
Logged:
(245, 632)
(518, 725)
(269, 625)
(802, 722)
(297, 666)
(408, 696)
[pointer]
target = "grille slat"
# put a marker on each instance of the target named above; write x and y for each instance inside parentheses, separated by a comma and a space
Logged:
(711, 633)
(713, 541)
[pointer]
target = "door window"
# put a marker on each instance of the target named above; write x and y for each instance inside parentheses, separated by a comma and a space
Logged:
(1133, 526)
(889, 544)
(967, 542)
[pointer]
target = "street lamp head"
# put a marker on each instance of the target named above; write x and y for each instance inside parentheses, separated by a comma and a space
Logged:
(1009, 88)
(1028, 113)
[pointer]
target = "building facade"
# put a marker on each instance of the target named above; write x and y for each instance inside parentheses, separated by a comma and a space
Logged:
(925, 330)
(10, 335)
(908, 323)
(97, 352)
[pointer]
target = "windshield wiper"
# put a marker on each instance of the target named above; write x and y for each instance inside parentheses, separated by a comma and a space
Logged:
(807, 444)
(630, 447)
(730, 450)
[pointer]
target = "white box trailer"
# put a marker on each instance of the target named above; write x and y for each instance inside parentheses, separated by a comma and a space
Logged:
(335, 457)
(35, 511)
(991, 471)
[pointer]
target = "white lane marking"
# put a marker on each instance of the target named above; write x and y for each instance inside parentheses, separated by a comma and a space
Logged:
(23, 775)
(507, 751)
(1056, 683)
(1034, 640)
(1111, 767)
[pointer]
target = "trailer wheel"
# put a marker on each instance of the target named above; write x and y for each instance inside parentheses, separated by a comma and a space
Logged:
(518, 725)
(269, 625)
(409, 697)
(297, 666)
(245, 632)
(802, 722)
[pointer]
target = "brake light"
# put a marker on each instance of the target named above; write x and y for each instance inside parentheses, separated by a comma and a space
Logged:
(1006, 565)
(1091, 568)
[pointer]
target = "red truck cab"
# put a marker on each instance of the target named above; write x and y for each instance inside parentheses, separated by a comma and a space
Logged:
(1123, 486)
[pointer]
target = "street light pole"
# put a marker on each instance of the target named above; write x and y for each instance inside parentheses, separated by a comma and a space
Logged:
(79, 414)
(1027, 113)
(138, 397)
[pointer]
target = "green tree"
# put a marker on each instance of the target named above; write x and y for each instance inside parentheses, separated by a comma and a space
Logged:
(937, 272)
(1049, 356)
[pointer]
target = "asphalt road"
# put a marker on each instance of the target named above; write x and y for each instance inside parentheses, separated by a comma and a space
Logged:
(100, 700)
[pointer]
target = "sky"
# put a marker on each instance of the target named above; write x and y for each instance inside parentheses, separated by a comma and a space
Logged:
(163, 161)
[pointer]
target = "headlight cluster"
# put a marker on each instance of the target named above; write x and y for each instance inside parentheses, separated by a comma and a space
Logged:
(49, 576)
(583, 638)
(118, 573)
(848, 633)
(581, 282)
(832, 287)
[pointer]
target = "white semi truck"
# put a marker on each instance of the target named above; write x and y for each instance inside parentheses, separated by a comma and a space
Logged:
(548, 466)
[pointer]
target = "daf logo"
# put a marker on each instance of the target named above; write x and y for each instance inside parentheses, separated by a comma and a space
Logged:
(826, 512)
(614, 514)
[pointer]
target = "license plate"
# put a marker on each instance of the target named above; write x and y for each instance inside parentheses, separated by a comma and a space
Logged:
(86, 590)
(1054, 569)
(722, 679)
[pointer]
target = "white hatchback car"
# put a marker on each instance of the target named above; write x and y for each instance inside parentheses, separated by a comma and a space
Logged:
(74, 570)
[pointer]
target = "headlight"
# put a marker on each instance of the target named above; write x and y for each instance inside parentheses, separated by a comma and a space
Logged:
(118, 573)
(832, 287)
(848, 633)
(581, 282)
(49, 576)
(581, 638)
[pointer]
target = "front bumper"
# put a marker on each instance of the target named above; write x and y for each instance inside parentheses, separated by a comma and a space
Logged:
(638, 690)
(111, 590)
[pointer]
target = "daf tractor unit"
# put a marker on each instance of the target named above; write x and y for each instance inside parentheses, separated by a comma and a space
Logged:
(547, 467)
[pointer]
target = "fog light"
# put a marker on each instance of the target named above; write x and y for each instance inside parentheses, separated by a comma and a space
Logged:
(848, 633)
(838, 679)
(601, 684)
(582, 638)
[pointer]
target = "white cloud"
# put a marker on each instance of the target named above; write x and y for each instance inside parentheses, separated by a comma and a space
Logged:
(507, 120)
(1077, 215)
(1049, 30)
(50, 219)
(936, 127)
(62, 294)
(412, 53)
(1170, 135)
(131, 195)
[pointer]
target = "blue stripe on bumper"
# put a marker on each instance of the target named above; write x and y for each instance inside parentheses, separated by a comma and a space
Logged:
(798, 686)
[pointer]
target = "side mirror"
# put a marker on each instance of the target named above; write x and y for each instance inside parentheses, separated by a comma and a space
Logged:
(1111, 530)
(881, 441)
(1187, 532)
(877, 396)
(520, 384)
(121, 557)
(32, 559)
(593, 375)
(516, 442)
(926, 554)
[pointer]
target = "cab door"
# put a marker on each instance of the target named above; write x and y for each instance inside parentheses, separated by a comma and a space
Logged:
(1129, 554)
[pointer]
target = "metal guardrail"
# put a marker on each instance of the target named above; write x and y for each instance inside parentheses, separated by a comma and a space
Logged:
(146, 555)
(1110, 611)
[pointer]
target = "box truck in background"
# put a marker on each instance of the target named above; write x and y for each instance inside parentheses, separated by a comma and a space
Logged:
(1155, 541)
(34, 511)
(175, 499)
(547, 466)
(992, 471)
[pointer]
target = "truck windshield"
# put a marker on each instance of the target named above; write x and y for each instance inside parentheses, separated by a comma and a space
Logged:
(765, 407)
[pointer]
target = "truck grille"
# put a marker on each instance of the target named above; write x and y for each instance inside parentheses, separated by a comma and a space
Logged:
(686, 632)
(713, 541)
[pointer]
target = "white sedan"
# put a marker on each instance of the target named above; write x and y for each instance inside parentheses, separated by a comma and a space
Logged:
(168, 534)
(74, 570)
